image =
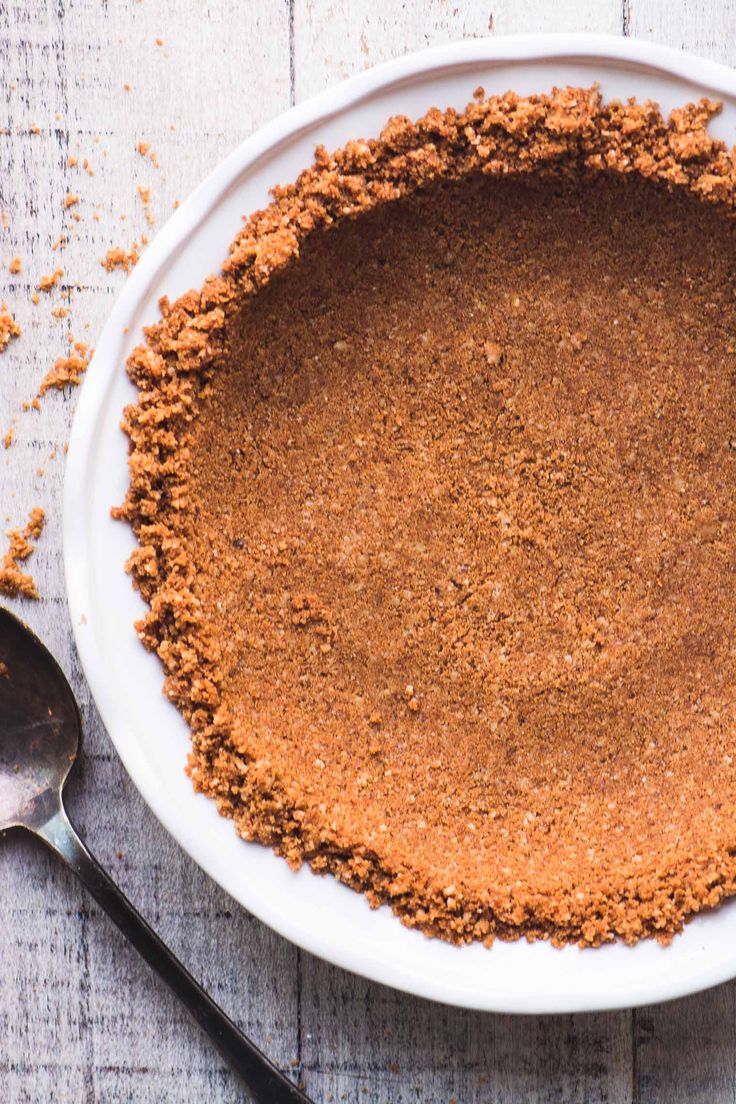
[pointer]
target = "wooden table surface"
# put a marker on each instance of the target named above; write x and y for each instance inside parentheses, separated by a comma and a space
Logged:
(81, 1019)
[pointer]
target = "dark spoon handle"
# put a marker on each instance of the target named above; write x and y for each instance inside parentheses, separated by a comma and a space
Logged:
(266, 1083)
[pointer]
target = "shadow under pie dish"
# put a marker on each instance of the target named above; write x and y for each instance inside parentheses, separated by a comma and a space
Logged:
(432, 490)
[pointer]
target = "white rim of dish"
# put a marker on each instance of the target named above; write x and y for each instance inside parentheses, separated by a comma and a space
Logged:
(713, 78)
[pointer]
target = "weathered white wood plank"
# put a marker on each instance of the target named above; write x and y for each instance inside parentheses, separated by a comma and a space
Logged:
(706, 27)
(365, 1042)
(81, 1019)
(565, 16)
(334, 39)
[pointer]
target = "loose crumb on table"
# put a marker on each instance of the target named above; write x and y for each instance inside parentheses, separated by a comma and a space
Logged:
(9, 328)
(15, 583)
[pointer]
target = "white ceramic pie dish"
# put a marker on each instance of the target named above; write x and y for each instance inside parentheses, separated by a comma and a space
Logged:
(150, 735)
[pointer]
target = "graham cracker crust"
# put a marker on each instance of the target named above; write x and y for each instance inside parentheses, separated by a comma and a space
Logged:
(433, 492)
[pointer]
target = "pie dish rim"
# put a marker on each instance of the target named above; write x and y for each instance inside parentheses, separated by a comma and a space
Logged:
(333, 922)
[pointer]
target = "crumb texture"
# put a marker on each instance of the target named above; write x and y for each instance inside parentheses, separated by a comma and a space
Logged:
(67, 371)
(433, 490)
(14, 582)
(9, 328)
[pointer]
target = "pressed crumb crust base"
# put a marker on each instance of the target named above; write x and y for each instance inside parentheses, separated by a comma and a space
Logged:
(436, 524)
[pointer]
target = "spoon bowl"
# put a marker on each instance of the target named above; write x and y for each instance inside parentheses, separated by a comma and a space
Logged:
(40, 728)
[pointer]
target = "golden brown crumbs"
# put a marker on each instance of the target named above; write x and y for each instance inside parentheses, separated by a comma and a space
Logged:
(60, 311)
(71, 162)
(433, 493)
(144, 149)
(9, 328)
(159, 42)
(47, 283)
(39, 471)
(87, 167)
(76, 216)
(127, 87)
(3, 669)
(117, 257)
(15, 583)
(15, 266)
(145, 194)
(67, 371)
(35, 129)
(35, 298)
(8, 438)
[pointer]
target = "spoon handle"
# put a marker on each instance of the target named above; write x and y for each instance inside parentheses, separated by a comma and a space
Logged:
(265, 1082)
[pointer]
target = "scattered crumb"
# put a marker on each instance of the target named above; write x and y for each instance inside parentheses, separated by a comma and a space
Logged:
(117, 257)
(39, 471)
(159, 42)
(67, 370)
(60, 312)
(9, 328)
(127, 88)
(59, 243)
(175, 204)
(71, 162)
(71, 200)
(46, 283)
(3, 669)
(15, 266)
(35, 129)
(8, 438)
(88, 168)
(15, 583)
(145, 194)
(144, 149)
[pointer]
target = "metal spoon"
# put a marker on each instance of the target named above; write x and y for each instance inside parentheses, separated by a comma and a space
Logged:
(40, 733)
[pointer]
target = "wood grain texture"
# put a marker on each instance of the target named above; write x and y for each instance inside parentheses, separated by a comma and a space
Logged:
(81, 1019)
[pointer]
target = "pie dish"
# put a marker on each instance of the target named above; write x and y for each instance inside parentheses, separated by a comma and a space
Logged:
(420, 696)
